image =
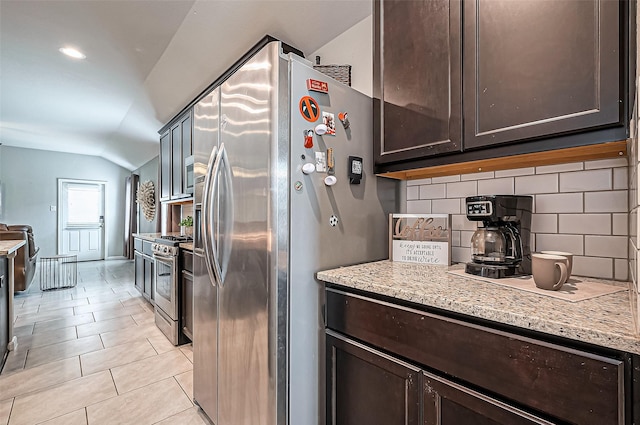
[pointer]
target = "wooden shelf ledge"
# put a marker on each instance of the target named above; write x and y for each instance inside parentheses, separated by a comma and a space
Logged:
(559, 156)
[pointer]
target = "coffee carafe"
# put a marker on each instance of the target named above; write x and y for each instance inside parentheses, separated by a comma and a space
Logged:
(500, 246)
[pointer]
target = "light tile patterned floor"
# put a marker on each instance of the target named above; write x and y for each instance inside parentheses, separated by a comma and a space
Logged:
(92, 355)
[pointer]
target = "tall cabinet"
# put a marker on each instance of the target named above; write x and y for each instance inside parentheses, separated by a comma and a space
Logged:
(539, 68)
(175, 147)
(417, 79)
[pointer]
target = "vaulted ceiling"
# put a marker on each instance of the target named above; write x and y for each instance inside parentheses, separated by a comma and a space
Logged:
(145, 60)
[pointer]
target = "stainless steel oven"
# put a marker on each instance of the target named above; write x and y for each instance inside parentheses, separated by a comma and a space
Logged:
(165, 254)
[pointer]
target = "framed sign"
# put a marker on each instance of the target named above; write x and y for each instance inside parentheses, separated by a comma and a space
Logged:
(420, 238)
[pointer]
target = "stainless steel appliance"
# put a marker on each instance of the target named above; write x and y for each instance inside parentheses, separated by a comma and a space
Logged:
(188, 175)
(501, 246)
(166, 293)
(274, 204)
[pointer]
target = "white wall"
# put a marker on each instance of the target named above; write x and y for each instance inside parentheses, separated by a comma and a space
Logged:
(353, 47)
(29, 182)
(149, 172)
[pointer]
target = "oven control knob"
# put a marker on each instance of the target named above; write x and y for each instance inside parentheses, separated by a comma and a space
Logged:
(165, 249)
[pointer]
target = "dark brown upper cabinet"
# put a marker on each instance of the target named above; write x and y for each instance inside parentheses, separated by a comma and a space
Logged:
(417, 80)
(463, 81)
(165, 166)
(539, 68)
(175, 146)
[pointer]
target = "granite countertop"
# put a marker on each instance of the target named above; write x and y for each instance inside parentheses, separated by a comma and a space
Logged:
(606, 320)
(186, 245)
(151, 237)
(9, 246)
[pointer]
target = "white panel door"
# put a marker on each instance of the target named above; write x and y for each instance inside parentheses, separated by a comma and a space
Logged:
(81, 219)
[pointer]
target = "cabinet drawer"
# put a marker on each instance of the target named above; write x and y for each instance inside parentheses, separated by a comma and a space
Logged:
(146, 248)
(571, 385)
(187, 260)
(137, 244)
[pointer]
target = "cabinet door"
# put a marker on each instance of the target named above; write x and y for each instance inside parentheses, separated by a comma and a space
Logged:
(448, 403)
(365, 386)
(5, 321)
(417, 79)
(187, 304)
(176, 161)
(165, 166)
(187, 147)
(186, 129)
(149, 277)
(139, 272)
(539, 68)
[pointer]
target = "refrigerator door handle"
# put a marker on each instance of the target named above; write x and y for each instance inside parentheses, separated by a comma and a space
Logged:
(212, 255)
(227, 220)
(207, 215)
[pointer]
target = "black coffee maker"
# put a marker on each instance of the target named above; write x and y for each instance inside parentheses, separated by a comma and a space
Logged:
(500, 247)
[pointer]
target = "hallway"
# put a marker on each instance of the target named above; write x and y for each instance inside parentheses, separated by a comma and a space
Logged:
(92, 355)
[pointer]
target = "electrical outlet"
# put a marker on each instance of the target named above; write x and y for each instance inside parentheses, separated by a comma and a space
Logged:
(52, 208)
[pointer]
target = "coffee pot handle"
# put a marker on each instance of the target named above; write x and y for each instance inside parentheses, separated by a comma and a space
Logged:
(516, 242)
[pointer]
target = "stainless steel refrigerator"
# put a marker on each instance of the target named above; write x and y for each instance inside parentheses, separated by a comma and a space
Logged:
(264, 228)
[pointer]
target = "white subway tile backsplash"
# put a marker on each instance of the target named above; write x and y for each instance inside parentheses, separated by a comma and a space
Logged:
(465, 238)
(445, 179)
(605, 246)
(583, 181)
(433, 191)
(559, 168)
(620, 269)
(461, 222)
(504, 186)
(455, 238)
(419, 207)
(620, 178)
(419, 182)
(478, 176)
(544, 223)
(606, 163)
(413, 193)
(462, 189)
(593, 266)
(610, 201)
(460, 254)
(620, 224)
(445, 206)
(558, 242)
(559, 203)
(515, 172)
(580, 207)
(585, 224)
(544, 183)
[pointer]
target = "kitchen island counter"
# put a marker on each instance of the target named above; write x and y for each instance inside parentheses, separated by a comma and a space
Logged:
(10, 246)
(606, 321)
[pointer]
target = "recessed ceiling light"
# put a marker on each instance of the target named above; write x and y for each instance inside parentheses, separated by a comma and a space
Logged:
(74, 53)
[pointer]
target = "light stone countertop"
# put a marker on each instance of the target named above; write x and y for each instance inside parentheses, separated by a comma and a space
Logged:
(186, 245)
(151, 237)
(606, 320)
(9, 246)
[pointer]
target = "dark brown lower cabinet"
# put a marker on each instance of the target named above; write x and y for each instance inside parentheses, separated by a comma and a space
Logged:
(389, 363)
(365, 386)
(139, 271)
(448, 403)
(187, 304)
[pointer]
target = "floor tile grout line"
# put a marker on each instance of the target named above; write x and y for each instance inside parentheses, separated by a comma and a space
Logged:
(13, 402)
(183, 390)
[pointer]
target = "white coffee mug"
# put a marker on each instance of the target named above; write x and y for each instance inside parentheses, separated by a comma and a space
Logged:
(549, 271)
